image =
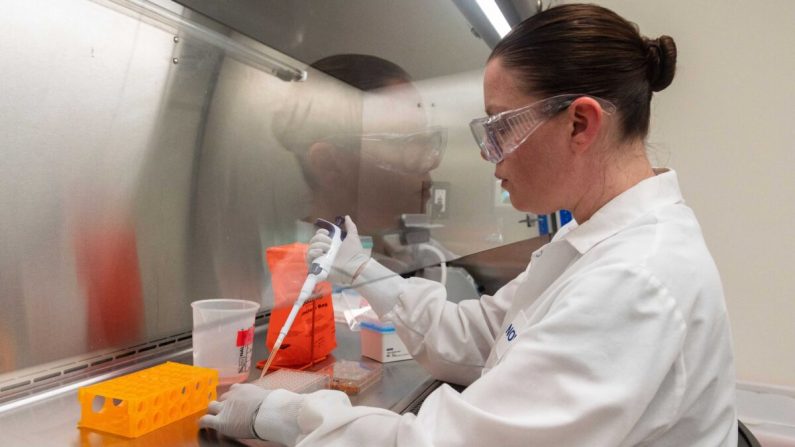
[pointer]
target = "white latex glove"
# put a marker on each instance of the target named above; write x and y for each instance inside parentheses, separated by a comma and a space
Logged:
(234, 414)
(350, 258)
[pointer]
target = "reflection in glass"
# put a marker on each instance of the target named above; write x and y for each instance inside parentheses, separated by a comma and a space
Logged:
(155, 160)
(368, 154)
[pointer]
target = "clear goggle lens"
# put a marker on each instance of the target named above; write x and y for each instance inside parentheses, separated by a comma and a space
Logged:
(499, 135)
(405, 153)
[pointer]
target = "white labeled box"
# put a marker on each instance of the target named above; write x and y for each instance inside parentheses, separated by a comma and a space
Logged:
(381, 342)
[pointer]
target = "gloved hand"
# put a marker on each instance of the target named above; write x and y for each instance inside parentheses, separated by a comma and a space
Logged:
(234, 415)
(350, 258)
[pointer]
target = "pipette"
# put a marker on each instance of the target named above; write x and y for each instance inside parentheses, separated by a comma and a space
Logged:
(318, 271)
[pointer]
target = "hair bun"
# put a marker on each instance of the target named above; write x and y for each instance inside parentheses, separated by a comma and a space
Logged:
(661, 62)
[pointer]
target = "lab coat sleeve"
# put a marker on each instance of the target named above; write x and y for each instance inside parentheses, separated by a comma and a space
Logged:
(327, 418)
(450, 340)
(581, 376)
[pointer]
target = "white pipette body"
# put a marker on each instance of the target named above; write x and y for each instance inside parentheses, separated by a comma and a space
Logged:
(318, 271)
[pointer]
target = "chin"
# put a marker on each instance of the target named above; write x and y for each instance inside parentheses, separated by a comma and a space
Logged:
(525, 207)
(518, 205)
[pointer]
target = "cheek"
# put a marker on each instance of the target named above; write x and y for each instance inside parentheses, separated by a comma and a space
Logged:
(532, 177)
(529, 166)
(388, 191)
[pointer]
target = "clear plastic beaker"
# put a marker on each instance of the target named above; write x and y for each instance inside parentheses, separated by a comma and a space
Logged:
(223, 337)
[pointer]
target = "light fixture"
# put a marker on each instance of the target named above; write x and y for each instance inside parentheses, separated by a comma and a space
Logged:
(495, 16)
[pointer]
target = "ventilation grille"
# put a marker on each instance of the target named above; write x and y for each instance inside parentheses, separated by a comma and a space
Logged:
(55, 378)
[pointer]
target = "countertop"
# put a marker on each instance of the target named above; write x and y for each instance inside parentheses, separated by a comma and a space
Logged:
(53, 421)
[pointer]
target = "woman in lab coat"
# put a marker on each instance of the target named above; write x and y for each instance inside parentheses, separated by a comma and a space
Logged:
(616, 334)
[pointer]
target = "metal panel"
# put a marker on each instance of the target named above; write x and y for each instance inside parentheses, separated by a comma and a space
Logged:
(427, 38)
(150, 155)
(52, 420)
(103, 133)
(80, 106)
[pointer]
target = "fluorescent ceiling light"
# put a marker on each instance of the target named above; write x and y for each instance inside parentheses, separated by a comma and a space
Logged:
(495, 16)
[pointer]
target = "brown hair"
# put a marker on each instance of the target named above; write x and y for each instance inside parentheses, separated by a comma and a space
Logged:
(588, 49)
(318, 109)
(363, 71)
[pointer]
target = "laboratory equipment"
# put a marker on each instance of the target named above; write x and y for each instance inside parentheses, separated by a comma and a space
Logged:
(380, 341)
(223, 337)
(138, 403)
(318, 271)
(499, 135)
(294, 380)
(312, 336)
(353, 377)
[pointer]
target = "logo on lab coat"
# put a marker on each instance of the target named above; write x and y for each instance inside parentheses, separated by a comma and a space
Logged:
(510, 333)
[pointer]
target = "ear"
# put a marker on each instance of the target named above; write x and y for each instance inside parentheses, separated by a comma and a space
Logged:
(330, 165)
(587, 118)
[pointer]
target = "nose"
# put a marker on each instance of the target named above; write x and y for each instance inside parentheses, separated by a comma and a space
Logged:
(497, 174)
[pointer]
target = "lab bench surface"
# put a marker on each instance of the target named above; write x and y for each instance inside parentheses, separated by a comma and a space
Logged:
(53, 421)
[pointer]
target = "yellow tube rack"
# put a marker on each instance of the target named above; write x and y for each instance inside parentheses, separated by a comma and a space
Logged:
(138, 403)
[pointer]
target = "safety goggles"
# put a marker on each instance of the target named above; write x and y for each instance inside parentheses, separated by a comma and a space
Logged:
(410, 153)
(499, 135)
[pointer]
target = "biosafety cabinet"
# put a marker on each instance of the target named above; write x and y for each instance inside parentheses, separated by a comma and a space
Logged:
(153, 150)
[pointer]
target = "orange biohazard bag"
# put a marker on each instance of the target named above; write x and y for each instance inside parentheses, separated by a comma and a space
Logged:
(312, 336)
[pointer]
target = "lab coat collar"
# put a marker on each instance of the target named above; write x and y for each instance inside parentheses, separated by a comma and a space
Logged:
(622, 210)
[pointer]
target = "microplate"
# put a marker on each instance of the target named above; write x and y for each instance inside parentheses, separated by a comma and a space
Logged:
(353, 377)
(301, 382)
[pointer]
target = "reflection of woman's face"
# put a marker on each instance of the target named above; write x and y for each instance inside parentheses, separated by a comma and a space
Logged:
(391, 180)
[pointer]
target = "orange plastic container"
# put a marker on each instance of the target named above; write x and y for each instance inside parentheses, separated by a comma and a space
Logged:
(143, 401)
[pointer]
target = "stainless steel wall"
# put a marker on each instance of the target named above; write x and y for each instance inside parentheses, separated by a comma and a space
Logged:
(105, 149)
(83, 88)
(150, 156)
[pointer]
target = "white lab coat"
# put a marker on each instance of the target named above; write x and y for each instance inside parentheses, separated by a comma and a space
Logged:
(615, 335)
